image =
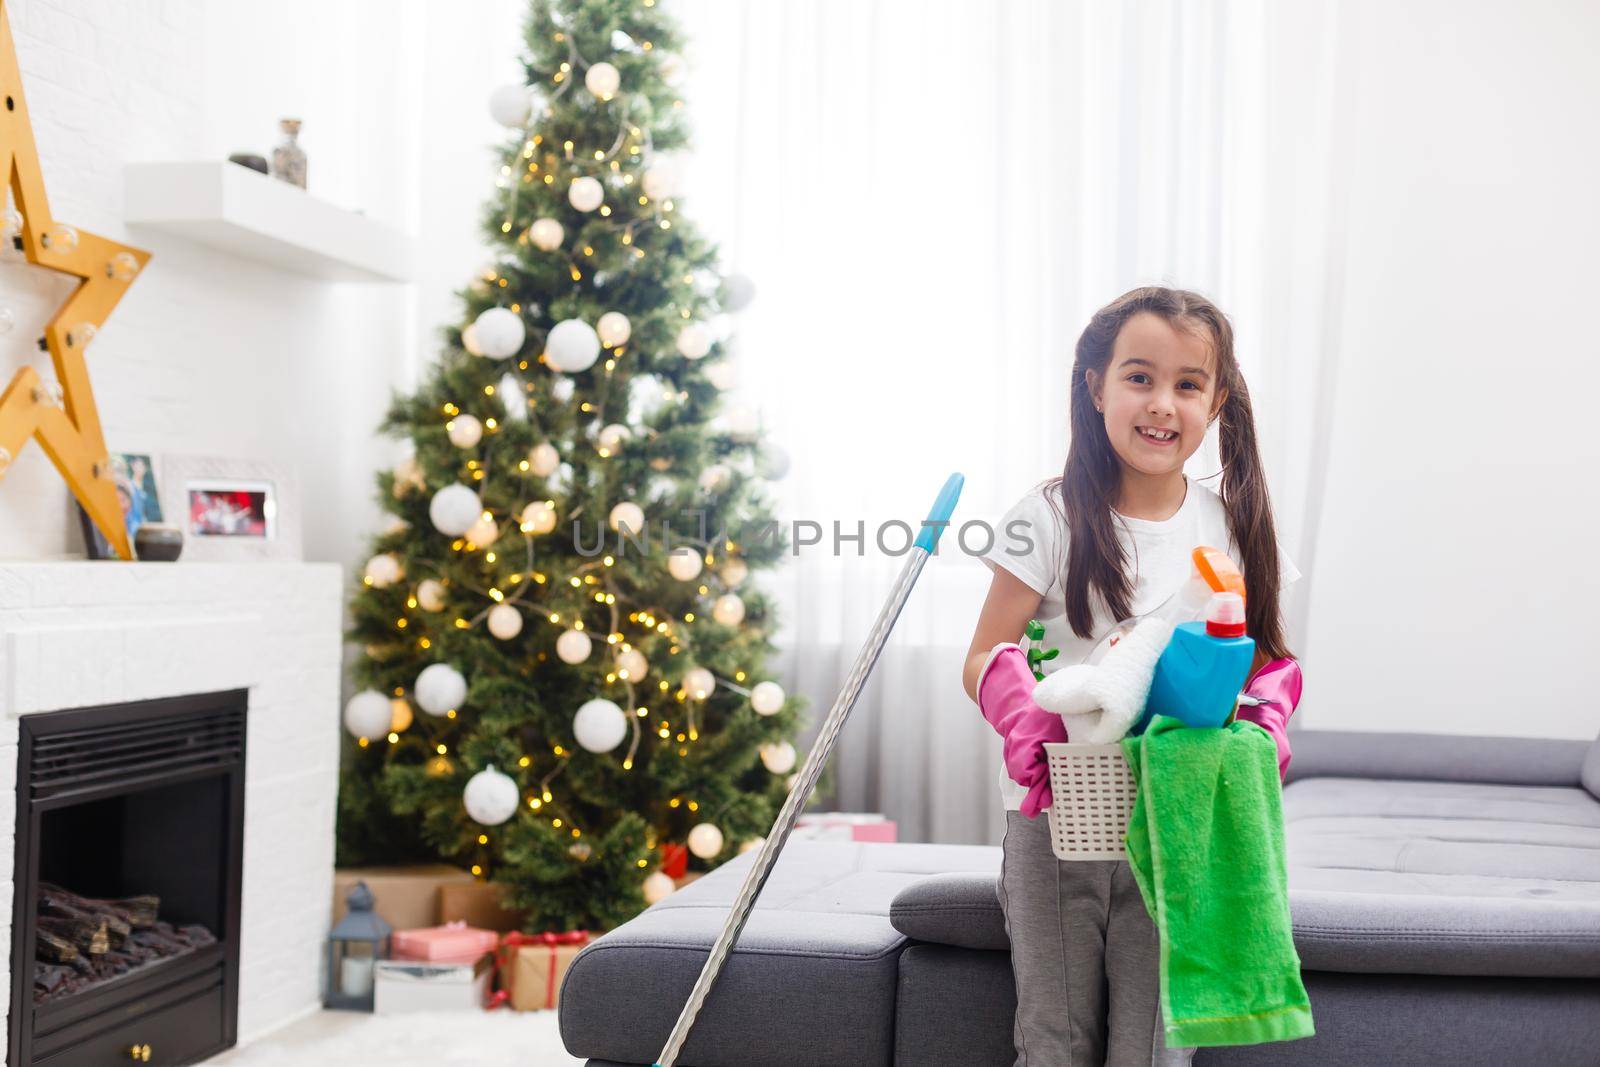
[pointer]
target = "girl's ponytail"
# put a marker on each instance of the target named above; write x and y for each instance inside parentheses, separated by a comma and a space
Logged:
(1244, 495)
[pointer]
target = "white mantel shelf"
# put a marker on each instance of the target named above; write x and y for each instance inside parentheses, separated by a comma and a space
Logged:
(241, 211)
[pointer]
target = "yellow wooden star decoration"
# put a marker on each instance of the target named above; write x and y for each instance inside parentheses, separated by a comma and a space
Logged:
(62, 416)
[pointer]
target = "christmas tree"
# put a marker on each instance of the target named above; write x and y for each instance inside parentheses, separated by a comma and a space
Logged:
(560, 633)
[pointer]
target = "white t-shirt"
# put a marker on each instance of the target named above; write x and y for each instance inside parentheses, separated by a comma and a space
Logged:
(1031, 543)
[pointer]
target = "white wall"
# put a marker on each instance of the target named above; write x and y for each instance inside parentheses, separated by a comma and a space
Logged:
(1456, 583)
(217, 355)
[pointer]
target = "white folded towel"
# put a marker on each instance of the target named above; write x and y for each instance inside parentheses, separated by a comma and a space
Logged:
(1100, 703)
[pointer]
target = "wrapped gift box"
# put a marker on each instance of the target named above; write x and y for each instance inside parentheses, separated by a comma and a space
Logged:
(536, 967)
(845, 826)
(477, 904)
(407, 897)
(451, 943)
(400, 986)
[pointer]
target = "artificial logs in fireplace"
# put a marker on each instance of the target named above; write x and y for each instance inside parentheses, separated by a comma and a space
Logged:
(130, 842)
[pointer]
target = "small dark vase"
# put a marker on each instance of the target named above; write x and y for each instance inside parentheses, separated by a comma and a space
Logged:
(249, 159)
(158, 543)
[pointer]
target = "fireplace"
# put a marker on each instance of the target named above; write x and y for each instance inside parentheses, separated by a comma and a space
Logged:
(126, 916)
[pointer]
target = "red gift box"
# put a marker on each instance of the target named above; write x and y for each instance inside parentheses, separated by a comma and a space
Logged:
(674, 860)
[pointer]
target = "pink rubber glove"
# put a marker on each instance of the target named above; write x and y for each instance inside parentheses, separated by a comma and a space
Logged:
(1277, 685)
(1005, 696)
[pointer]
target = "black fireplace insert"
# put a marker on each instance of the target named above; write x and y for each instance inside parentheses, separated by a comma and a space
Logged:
(130, 841)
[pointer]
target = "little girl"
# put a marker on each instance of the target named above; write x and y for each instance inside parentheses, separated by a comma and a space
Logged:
(1108, 540)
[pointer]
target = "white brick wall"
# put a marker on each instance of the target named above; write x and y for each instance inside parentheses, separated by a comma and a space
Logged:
(208, 353)
(80, 634)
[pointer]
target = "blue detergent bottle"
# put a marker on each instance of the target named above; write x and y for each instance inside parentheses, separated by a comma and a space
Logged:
(1200, 675)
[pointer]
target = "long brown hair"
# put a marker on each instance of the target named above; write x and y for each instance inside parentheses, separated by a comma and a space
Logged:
(1088, 485)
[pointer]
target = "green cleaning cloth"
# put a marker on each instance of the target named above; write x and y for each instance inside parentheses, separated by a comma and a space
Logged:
(1205, 841)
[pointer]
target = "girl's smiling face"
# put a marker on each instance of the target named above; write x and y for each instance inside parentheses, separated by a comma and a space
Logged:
(1158, 394)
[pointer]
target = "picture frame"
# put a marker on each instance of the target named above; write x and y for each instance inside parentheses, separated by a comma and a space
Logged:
(232, 510)
(137, 491)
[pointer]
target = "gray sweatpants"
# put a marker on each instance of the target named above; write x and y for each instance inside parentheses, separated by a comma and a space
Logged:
(1085, 955)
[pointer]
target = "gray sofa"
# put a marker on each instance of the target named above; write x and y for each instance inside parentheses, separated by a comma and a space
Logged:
(1445, 893)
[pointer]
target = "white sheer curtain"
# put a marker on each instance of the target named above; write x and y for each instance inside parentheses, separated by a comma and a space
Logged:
(932, 197)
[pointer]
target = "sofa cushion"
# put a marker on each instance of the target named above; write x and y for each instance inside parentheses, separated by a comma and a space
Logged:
(1590, 772)
(1393, 876)
(811, 979)
(954, 909)
(1444, 877)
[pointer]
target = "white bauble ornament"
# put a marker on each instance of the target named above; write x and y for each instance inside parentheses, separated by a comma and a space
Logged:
(546, 234)
(660, 181)
(728, 609)
(774, 463)
(499, 332)
(631, 662)
(599, 725)
(684, 564)
(454, 509)
(573, 646)
(383, 570)
(491, 797)
(430, 594)
(737, 292)
(483, 531)
(439, 689)
(715, 478)
(538, 518)
(790, 782)
(465, 431)
(572, 346)
(543, 459)
(724, 375)
(699, 682)
(627, 514)
(513, 394)
(408, 475)
(469, 340)
(603, 80)
(705, 840)
(741, 421)
(694, 340)
(505, 621)
(767, 698)
(396, 525)
(614, 329)
(778, 757)
(368, 714)
(611, 438)
(734, 572)
(585, 194)
(399, 715)
(658, 887)
(510, 105)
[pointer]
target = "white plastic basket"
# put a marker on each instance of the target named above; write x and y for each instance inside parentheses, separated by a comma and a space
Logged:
(1092, 794)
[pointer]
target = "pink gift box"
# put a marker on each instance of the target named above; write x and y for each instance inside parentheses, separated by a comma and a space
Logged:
(845, 826)
(451, 943)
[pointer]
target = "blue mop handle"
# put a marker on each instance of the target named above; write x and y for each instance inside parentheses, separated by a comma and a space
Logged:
(756, 876)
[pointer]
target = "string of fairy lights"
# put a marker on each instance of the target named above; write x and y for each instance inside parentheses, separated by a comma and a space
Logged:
(504, 601)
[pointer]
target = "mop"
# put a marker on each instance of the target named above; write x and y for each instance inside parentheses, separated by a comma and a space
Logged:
(756, 877)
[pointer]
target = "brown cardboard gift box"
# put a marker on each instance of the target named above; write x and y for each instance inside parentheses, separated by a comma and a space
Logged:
(407, 897)
(478, 904)
(538, 963)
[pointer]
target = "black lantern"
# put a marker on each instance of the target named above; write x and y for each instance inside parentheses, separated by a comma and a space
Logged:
(359, 940)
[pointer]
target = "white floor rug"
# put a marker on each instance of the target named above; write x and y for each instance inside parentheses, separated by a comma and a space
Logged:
(500, 1038)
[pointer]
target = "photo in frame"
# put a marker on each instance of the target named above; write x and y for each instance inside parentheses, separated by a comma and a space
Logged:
(135, 477)
(232, 509)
